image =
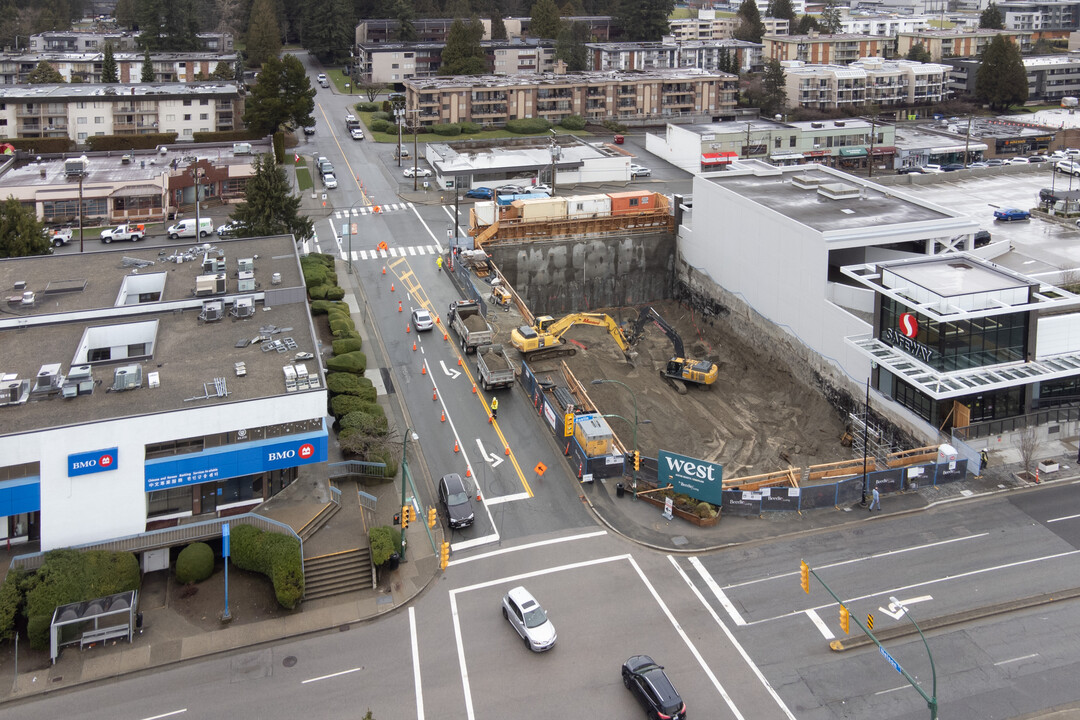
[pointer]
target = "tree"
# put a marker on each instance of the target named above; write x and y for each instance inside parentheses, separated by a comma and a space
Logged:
(147, 75)
(44, 74)
(222, 71)
(125, 13)
(570, 46)
(463, 54)
(644, 20)
(1029, 444)
(403, 12)
(991, 18)
(1001, 80)
(264, 34)
(282, 96)
(750, 27)
(572, 8)
(782, 9)
(228, 12)
(325, 34)
(773, 88)
(108, 66)
(20, 232)
(545, 20)
(458, 9)
(269, 207)
(498, 28)
(148, 15)
(806, 24)
(919, 53)
(830, 17)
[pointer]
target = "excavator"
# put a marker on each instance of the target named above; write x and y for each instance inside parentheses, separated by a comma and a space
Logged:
(544, 339)
(679, 369)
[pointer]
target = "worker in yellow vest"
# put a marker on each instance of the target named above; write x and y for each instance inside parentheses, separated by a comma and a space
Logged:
(495, 408)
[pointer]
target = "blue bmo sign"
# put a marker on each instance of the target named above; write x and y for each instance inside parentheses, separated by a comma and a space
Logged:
(94, 461)
(700, 479)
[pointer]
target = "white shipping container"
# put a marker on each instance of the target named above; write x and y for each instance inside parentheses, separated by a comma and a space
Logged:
(541, 209)
(485, 212)
(588, 206)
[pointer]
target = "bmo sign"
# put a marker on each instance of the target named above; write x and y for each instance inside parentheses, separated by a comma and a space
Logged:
(91, 462)
(300, 454)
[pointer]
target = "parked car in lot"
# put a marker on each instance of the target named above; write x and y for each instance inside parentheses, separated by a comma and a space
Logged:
(1038, 159)
(455, 500)
(977, 165)
(481, 193)
(357, 134)
(329, 181)
(541, 188)
(951, 167)
(227, 229)
(637, 171)
(58, 237)
(418, 172)
(931, 168)
(910, 170)
(1011, 215)
(526, 616)
(651, 686)
(995, 162)
(134, 233)
(510, 190)
(421, 320)
(1068, 167)
(1017, 161)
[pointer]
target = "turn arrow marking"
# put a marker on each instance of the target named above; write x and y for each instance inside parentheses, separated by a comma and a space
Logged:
(897, 610)
(493, 460)
(453, 374)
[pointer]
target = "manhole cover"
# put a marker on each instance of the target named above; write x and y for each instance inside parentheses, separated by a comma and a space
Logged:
(289, 661)
(680, 540)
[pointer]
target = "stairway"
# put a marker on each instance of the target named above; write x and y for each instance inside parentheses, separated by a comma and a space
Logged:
(337, 573)
(329, 510)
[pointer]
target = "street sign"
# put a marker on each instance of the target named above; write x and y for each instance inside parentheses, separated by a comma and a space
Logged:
(668, 505)
(887, 656)
(225, 540)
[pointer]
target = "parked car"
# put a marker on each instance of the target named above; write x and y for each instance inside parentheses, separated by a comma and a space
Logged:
(134, 233)
(637, 171)
(227, 229)
(329, 181)
(1038, 159)
(481, 193)
(951, 167)
(58, 237)
(309, 129)
(418, 172)
(995, 162)
(357, 134)
(1072, 152)
(1011, 215)
(326, 168)
(323, 81)
(189, 228)
(619, 139)
(541, 188)
(1068, 167)
(910, 170)
(931, 168)
(510, 190)
(978, 164)
(651, 686)
(404, 153)
(421, 320)
(456, 501)
(526, 616)
(1017, 161)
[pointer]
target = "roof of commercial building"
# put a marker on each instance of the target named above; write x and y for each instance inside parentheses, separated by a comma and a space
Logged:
(105, 91)
(75, 293)
(951, 277)
(35, 56)
(911, 137)
(583, 78)
(671, 45)
(470, 156)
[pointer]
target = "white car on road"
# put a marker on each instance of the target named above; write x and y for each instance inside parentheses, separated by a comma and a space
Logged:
(419, 172)
(357, 134)
(530, 621)
(637, 171)
(329, 181)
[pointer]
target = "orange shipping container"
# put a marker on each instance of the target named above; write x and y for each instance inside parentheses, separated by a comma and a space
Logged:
(629, 203)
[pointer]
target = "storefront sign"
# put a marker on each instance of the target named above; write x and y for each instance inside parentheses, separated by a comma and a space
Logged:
(909, 325)
(94, 461)
(700, 479)
(912, 348)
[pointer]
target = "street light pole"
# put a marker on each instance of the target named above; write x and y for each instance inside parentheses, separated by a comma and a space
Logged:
(633, 397)
(404, 473)
(931, 702)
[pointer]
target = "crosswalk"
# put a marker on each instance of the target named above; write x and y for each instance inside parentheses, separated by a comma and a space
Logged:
(371, 210)
(393, 252)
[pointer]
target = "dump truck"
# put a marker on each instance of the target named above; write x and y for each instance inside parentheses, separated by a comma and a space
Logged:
(545, 338)
(494, 368)
(467, 321)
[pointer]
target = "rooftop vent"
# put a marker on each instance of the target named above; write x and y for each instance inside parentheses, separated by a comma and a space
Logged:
(243, 307)
(48, 379)
(127, 377)
(212, 311)
(838, 191)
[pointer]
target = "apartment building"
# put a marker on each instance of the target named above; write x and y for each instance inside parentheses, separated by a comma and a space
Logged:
(942, 44)
(632, 98)
(79, 41)
(838, 49)
(1050, 77)
(81, 110)
(887, 25)
(435, 30)
(1046, 19)
(85, 67)
(870, 81)
(670, 54)
(708, 26)
(394, 62)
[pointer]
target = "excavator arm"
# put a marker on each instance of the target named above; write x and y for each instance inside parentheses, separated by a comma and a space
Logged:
(599, 319)
(649, 314)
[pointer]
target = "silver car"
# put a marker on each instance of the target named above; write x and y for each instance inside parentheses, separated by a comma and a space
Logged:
(421, 320)
(529, 619)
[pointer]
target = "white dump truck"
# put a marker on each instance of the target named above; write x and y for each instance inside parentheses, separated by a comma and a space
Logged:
(494, 367)
(467, 321)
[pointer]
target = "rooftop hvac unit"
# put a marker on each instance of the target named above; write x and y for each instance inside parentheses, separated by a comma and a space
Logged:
(80, 381)
(243, 307)
(213, 310)
(246, 264)
(14, 391)
(245, 282)
(213, 264)
(210, 284)
(48, 379)
(128, 377)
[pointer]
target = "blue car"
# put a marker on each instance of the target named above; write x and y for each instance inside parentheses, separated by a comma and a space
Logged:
(1011, 214)
(481, 193)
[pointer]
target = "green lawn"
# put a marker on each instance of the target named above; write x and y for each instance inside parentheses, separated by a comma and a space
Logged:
(681, 14)
(339, 79)
(406, 139)
(303, 178)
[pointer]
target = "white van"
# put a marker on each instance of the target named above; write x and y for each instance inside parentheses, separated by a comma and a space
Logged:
(186, 228)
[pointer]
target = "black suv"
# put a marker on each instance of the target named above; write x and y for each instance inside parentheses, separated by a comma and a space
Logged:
(652, 688)
(454, 497)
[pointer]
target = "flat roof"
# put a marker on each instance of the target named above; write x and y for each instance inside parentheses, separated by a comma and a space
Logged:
(62, 91)
(582, 78)
(76, 292)
(954, 276)
(463, 158)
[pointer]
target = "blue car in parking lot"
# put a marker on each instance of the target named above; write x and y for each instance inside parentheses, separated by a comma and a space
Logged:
(481, 193)
(1011, 214)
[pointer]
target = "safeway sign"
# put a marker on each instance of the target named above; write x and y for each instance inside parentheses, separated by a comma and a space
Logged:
(700, 479)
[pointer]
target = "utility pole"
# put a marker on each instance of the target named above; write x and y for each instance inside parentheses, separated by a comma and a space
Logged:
(870, 160)
(967, 141)
(81, 176)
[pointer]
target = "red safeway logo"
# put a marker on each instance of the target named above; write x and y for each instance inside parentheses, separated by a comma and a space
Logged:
(909, 326)
(306, 451)
(105, 461)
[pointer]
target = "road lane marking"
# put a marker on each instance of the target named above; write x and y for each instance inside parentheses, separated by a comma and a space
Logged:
(491, 459)
(507, 498)
(1017, 659)
(452, 374)
(529, 546)
(165, 715)
(475, 542)
(417, 685)
(897, 609)
(890, 690)
(446, 209)
(820, 625)
(730, 636)
(331, 675)
(1067, 517)
(437, 244)
(720, 596)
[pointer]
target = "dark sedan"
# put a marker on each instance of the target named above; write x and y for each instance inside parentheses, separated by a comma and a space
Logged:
(455, 500)
(952, 166)
(650, 685)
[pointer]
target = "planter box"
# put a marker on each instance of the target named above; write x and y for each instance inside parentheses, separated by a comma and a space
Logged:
(1048, 466)
(682, 514)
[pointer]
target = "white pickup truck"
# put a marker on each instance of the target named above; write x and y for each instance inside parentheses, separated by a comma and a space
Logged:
(59, 237)
(134, 233)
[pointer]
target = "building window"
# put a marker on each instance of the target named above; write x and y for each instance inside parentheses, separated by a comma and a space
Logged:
(187, 116)
(169, 502)
(204, 102)
(204, 116)
(187, 103)
(80, 121)
(170, 118)
(82, 136)
(99, 119)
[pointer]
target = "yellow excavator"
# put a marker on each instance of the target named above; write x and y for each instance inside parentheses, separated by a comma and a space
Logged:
(679, 369)
(545, 338)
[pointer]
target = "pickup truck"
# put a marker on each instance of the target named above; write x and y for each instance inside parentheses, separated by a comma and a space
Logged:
(494, 367)
(59, 237)
(134, 233)
(467, 321)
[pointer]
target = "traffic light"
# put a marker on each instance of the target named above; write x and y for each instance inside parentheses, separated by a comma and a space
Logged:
(444, 555)
(412, 513)
(404, 516)
(845, 619)
(637, 459)
(432, 517)
(804, 569)
(568, 424)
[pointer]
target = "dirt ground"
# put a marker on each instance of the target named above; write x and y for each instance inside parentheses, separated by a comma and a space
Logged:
(756, 418)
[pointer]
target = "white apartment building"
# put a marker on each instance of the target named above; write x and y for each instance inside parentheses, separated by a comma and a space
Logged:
(868, 81)
(669, 54)
(85, 67)
(395, 62)
(93, 41)
(884, 25)
(707, 26)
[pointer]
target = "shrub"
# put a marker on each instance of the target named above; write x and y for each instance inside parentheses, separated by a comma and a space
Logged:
(573, 122)
(387, 108)
(317, 292)
(340, 327)
(334, 292)
(382, 116)
(315, 274)
(705, 511)
(528, 126)
(322, 307)
(354, 362)
(369, 423)
(446, 129)
(275, 555)
(347, 346)
(341, 405)
(11, 599)
(41, 146)
(195, 563)
(344, 383)
(130, 142)
(384, 541)
(469, 128)
(225, 136)
(389, 458)
(380, 125)
(368, 106)
(614, 126)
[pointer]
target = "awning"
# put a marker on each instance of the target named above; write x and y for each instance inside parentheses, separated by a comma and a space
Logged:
(884, 150)
(786, 156)
(718, 158)
(853, 152)
(815, 153)
(136, 191)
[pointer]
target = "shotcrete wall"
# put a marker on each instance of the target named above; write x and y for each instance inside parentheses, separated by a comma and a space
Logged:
(555, 277)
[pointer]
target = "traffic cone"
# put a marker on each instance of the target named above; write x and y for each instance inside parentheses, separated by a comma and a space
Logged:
(455, 446)
(423, 369)
(442, 418)
(567, 451)
(507, 450)
(468, 473)
(491, 418)
(391, 287)
(399, 306)
(406, 328)
(414, 346)
(445, 336)
(383, 269)
(459, 361)
(579, 471)
(1036, 475)
(434, 394)
(473, 389)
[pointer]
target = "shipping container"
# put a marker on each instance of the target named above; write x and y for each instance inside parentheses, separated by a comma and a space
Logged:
(588, 206)
(548, 208)
(629, 203)
(508, 199)
(485, 212)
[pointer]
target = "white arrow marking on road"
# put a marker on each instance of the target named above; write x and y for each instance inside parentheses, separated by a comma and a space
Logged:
(897, 610)
(453, 374)
(493, 460)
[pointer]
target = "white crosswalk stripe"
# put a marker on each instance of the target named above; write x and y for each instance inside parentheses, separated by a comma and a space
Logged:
(393, 252)
(412, 250)
(363, 254)
(431, 249)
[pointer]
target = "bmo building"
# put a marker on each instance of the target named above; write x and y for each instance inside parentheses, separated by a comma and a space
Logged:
(149, 387)
(962, 342)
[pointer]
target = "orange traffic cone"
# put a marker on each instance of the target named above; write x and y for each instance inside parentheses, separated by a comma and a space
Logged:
(423, 369)
(406, 328)
(383, 269)
(468, 473)
(442, 418)
(507, 450)
(445, 336)
(399, 306)
(567, 451)
(459, 360)
(473, 389)
(455, 446)
(491, 418)
(434, 394)
(391, 287)
(414, 346)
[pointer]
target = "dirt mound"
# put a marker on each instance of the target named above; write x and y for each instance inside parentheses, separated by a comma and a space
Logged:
(755, 418)
(475, 323)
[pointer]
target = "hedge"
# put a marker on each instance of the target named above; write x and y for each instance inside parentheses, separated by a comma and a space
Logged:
(314, 274)
(384, 541)
(346, 383)
(368, 106)
(322, 307)
(469, 128)
(226, 136)
(380, 126)
(341, 405)
(275, 555)
(317, 292)
(528, 126)
(376, 424)
(347, 346)
(573, 122)
(354, 362)
(195, 563)
(41, 146)
(334, 292)
(10, 599)
(323, 259)
(389, 458)
(446, 129)
(128, 142)
(382, 116)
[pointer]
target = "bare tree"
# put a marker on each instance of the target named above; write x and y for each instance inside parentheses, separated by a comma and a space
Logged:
(371, 89)
(1028, 443)
(229, 16)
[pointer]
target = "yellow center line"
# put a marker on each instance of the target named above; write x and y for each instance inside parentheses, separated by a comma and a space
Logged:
(352, 175)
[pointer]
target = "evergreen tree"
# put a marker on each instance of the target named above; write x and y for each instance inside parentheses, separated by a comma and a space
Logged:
(264, 33)
(124, 13)
(919, 53)
(1001, 80)
(342, 39)
(644, 20)
(222, 71)
(463, 54)
(147, 68)
(750, 27)
(458, 9)
(326, 29)
(991, 18)
(498, 28)
(545, 20)
(570, 46)
(108, 66)
(20, 232)
(269, 207)
(782, 10)
(806, 24)
(403, 13)
(774, 89)
(282, 96)
(44, 74)
(572, 8)
(830, 17)
(426, 9)
(148, 14)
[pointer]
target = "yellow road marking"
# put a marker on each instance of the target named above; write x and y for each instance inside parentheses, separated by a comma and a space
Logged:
(352, 175)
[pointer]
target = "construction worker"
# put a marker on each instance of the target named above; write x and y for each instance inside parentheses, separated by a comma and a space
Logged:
(494, 408)
(438, 263)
